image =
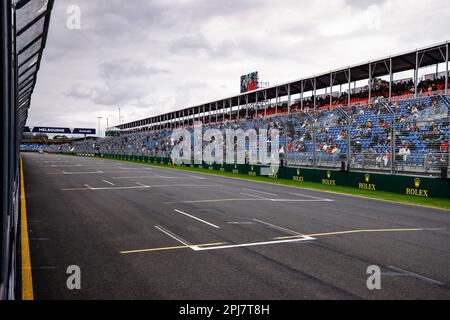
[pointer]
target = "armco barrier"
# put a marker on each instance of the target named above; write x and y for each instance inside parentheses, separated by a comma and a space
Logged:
(414, 186)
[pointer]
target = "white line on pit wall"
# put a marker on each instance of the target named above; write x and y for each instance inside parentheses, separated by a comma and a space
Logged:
(198, 219)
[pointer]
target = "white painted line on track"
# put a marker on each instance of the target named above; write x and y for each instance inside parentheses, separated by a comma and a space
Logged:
(135, 177)
(240, 223)
(252, 244)
(108, 182)
(279, 228)
(66, 165)
(417, 276)
(300, 200)
(253, 195)
(88, 172)
(172, 235)
(88, 187)
(198, 219)
(141, 184)
(262, 192)
(122, 188)
(73, 173)
(308, 196)
(246, 199)
(215, 200)
(153, 177)
(196, 177)
(186, 186)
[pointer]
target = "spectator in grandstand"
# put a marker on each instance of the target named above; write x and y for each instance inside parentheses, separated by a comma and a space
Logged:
(342, 135)
(412, 145)
(282, 156)
(444, 147)
(404, 152)
(335, 150)
(386, 158)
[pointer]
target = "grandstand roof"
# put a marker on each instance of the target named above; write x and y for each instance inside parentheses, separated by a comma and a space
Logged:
(423, 57)
(32, 18)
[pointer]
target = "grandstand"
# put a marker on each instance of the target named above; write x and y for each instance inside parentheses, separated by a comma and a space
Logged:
(387, 126)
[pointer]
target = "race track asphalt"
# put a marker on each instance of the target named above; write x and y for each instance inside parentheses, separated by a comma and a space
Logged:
(141, 232)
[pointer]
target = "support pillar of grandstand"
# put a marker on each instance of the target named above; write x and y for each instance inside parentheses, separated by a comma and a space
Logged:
(289, 98)
(302, 93)
(349, 79)
(416, 75)
(331, 88)
(265, 103)
(238, 108)
(314, 83)
(391, 79)
(392, 133)
(223, 110)
(209, 113)
(446, 69)
(246, 106)
(314, 161)
(217, 113)
(276, 100)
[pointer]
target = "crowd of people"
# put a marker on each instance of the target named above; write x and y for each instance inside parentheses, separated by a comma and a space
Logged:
(416, 130)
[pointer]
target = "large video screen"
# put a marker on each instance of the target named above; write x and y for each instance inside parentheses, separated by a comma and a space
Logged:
(249, 82)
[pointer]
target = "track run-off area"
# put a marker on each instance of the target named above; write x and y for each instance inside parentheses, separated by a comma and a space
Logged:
(143, 232)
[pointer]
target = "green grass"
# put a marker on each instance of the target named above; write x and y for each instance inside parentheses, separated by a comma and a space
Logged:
(380, 195)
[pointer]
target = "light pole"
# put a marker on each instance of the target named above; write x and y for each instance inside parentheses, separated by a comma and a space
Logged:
(99, 133)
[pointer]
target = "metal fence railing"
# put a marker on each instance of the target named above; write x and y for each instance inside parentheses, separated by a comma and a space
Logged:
(380, 138)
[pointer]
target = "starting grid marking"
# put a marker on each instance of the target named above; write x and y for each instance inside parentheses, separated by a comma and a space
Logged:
(276, 241)
(257, 197)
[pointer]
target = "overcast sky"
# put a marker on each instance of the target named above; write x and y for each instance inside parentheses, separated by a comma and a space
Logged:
(153, 56)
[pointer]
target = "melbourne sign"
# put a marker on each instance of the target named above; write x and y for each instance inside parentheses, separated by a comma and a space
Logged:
(53, 130)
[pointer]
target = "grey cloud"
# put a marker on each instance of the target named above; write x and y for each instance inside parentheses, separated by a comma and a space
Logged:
(364, 4)
(117, 94)
(122, 82)
(189, 45)
(160, 55)
(77, 91)
(122, 69)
